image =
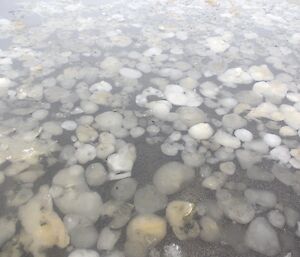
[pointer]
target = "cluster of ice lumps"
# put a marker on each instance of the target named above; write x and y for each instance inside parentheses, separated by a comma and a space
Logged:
(140, 128)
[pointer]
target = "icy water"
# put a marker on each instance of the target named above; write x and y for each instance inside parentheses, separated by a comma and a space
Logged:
(155, 128)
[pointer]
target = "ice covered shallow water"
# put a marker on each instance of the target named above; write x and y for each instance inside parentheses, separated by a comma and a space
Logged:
(149, 128)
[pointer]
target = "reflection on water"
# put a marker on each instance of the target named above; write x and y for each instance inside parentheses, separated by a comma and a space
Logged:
(149, 128)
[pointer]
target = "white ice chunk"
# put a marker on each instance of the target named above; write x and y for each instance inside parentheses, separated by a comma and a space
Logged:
(281, 153)
(95, 174)
(258, 173)
(190, 115)
(149, 200)
(84, 253)
(160, 109)
(287, 131)
(261, 72)
(227, 168)
(209, 89)
(137, 132)
(193, 159)
(71, 194)
(124, 189)
(272, 140)
(101, 86)
(7, 228)
(109, 121)
(235, 208)
(274, 91)
(122, 160)
(215, 181)
(201, 131)
(291, 216)
(266, 110)
(217, 44)
(111, 64)
(85, 153)
(292, 119)
(263, 198)
(182, 35)
(5, 83)
(226, 139)
(170, 177)
(108, 238)
(235, 76)
(83, 235)
(69, 125)
(276, 218)
(262, 238)
(86, 133)
(153, 51)
(130, 73)
(177, 95)
(89, 107)
(233, 121)
(243, 135)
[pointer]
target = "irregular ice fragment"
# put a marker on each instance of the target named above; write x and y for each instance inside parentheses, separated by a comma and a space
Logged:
(122, 161)
(148, 200)
(262, 238)
(280, 153)
(108, 238)
(276, 218)
(215, 181)
(95, 174)
(170, 177)
(243, 135)
(258, 173)
(177, 95)
(235, 208)
(235, 76)
(209, 229)
(291, 216)
(233, 121)
(85, 153)
(217, 44)
(86, 133)
(261, 72)
(146, 231)
(181, 217)
(109, 121)
(124, 189)
(227, 168)
(83, 253)
(7, 228)
(263, 198)
(226, 139)
(69, 125)
(130, 73)
(72, 195)
(42, 227)
(190, 115)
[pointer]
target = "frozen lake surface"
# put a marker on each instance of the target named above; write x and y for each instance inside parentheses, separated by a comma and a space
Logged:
(154, 128)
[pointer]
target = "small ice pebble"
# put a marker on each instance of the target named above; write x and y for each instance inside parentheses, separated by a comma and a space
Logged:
(272, 140)
(69, 125)
(83, 253)
(243, 135)
(228, 168)
(201, 131)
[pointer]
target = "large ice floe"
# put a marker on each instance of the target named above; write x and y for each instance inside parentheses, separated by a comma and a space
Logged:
(149, 128)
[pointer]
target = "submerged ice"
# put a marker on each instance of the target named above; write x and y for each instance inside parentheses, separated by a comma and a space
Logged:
(149, 129)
